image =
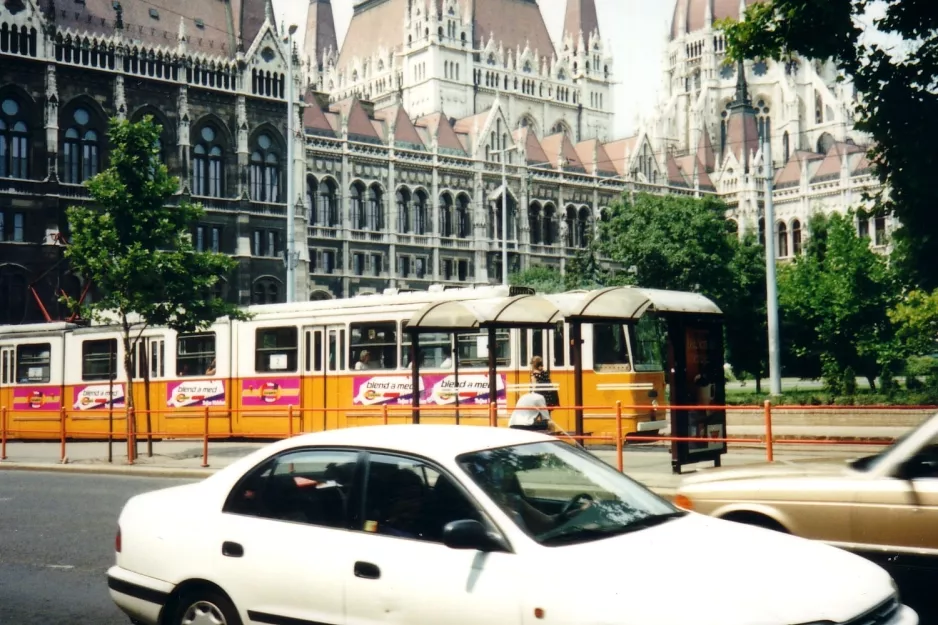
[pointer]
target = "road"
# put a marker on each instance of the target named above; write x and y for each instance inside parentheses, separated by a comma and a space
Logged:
(57, 537)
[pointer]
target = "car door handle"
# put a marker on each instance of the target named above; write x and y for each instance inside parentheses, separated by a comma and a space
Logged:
(367, 570)
(231, 550)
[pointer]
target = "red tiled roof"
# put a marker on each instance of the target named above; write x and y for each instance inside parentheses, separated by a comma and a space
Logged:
(216, 37)
(585, 150)
(557, 145)
(676, 171)
(742, 136)
(580, 18)
(438, 126)
(620, 152)
(359, 124)
(314, 118)
(404, 131)
(535, 152)
(514, 23)
(705, 153)
(374, 25)
(696, 12)
(790, 174)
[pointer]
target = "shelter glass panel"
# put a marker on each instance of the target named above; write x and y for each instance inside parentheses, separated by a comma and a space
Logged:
(436, 351)
(609, 345)
(647, 337)
(474, 350)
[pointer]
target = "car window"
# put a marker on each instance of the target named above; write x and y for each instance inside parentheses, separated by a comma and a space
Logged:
(307, 486)
(926, 460)
(409, 498)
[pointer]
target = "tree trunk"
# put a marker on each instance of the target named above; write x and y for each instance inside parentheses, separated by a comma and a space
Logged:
(872, 380)
(129, 391)
(758, 385)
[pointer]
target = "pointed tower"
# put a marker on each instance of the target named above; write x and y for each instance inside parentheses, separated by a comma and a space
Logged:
(581, 19)
(742, 136)
(320, 34)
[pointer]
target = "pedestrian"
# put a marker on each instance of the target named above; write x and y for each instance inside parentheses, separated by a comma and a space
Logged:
(530, 413)
(541, 384)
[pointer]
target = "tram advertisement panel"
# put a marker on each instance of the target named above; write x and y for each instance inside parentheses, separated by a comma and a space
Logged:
(270, 392)
(194, 393)
(98, 396)
(37, 398)
(435, 389)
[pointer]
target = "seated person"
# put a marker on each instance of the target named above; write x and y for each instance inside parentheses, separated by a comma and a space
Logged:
(530, 413)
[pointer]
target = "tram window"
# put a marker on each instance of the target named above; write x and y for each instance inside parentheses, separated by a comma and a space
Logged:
(474, 352)
(647, 338)
(523, 354)
(275, 350)
(537, 346)
(559, 345)
(317, 350)
(609, 345)
(195, 355)
(34, 363)
(98, 358)
(436, 349)
(5, 372)
(333, 349)
(376, 338)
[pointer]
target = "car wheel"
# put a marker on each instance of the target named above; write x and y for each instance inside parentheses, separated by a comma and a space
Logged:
(758, 520)
(205, 607)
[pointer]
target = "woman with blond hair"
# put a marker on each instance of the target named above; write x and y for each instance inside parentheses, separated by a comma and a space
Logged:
(540, 382)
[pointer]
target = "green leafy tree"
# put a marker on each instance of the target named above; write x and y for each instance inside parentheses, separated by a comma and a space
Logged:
(132, 242)
(916, 318)
(898, 106)
(541, 278)
(681, 243)
(836, 298)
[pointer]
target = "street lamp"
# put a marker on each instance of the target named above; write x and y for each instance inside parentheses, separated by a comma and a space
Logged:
(505, 213)
(291, 256)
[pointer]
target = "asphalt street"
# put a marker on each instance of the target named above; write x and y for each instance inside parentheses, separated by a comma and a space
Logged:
(57, 539)
(56, 544)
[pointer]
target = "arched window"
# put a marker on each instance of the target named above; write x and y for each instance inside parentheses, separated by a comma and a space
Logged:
(358, 206)
(534, 223)
(328, 203)
(863, 224)
(463, 220)
(14, 140)
(207, 170)
(446, 215)
(570, 220)
(584, 222)
(312, 214)
(796, 237)
(420, 213)
(761, 231)
(782, 238)
(786, 147)
(548, 236)
(765, 121)
(266, 291)
(403, 211)
(374, 215)
(265, 170)
(879, 230)
(81, 151)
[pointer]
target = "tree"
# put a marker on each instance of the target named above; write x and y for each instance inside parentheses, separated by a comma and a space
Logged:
(135, 247)
(541, 278)
(898, 106)
(916, 318)
(682, 244)
(837, 295)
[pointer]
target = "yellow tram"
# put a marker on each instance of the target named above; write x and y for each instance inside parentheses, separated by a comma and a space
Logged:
(330, 364)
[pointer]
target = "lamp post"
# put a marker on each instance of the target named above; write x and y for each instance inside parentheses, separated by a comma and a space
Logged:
(291, 254)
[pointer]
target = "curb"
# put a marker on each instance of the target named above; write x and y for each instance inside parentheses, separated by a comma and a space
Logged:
(121, 470)
(166, 472)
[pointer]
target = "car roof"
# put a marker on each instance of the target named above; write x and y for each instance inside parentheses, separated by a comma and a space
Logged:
(432, 441)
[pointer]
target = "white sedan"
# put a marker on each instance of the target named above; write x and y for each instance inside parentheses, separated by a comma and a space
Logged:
(457, 525)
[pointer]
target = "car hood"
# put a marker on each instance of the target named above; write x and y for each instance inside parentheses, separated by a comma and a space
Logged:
(702, 570)
(784, 469)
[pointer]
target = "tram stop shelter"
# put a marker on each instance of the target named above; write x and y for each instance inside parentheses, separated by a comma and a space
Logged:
(694, 333)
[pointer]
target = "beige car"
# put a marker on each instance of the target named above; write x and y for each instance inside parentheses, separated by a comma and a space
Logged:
(885, 505)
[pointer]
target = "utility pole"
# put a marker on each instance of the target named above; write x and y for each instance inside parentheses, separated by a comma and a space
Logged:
(775, 367)
(291, 255)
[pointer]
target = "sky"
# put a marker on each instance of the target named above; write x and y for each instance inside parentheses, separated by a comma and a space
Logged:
(634, 30)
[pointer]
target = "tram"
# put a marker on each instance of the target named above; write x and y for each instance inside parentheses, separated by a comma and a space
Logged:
(332, 363)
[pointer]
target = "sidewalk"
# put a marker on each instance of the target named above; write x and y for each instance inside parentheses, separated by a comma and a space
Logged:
(647, 463)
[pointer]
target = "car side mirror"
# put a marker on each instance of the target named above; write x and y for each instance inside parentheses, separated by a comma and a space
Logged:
(470, 534)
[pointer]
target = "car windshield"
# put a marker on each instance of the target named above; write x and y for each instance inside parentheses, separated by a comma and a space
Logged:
(868, 463)
(559, 494)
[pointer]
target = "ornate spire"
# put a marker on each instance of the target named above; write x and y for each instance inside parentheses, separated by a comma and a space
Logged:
(742, 87)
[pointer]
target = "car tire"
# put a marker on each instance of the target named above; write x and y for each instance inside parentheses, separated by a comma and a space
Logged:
(757, 520)
(204, 607)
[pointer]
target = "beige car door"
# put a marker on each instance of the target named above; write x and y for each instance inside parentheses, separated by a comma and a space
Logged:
(899, 507)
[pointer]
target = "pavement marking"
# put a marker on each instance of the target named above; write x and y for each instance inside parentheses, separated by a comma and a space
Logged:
(63, 567)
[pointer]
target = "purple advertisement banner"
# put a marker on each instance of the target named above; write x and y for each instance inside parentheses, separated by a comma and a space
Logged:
(270, 392)
(98, 396)
(194, 393)
(37, 398)
(435, 389)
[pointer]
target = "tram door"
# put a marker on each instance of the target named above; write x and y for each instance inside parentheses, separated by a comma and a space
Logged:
(323, 364)
(695, 365)
(6, 380)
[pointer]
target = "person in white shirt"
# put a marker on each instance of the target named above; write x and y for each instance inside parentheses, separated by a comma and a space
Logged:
(363, 361)
(530, 413)
(447, 359)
